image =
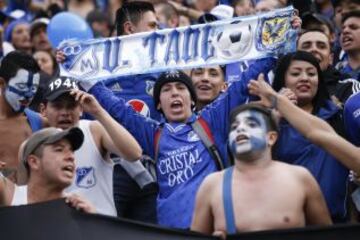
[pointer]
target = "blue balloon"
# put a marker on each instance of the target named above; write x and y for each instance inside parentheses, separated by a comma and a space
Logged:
(67, 25)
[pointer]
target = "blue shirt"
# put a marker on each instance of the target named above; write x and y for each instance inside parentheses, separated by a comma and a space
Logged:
(183, 161)
(291, 147)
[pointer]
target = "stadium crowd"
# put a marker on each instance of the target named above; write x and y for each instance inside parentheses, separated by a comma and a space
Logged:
(186, 149)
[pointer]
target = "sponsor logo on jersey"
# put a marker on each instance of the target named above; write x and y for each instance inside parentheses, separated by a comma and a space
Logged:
(140, 107)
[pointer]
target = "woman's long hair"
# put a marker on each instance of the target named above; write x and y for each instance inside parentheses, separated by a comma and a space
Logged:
(283, 64)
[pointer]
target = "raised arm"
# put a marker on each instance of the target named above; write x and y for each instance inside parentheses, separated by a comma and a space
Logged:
(313, 128)
(113, 136)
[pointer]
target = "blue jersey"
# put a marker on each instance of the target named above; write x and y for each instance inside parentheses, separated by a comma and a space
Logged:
(138, 89)
(352, 118)
(183, 160)
(344, 67)
(293, 148)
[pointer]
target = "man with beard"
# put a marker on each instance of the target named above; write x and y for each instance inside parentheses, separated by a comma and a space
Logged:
(244, 189)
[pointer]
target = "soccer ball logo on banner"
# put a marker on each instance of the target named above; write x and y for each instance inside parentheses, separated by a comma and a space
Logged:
(234, 41)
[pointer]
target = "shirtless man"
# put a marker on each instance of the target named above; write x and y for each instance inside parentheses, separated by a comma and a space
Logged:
(253, 192)
(48, 156)
(313, 128)
(19, 81)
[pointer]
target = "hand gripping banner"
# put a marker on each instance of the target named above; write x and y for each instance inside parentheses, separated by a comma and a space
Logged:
(220, 42)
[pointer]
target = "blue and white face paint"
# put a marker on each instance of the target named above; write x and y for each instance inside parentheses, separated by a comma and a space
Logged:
(21, 89)
(248, 133)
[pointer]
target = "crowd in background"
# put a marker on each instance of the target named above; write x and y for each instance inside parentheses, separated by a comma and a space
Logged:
(321, 77)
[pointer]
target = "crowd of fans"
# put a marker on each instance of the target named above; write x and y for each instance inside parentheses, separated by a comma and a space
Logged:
(92, 146)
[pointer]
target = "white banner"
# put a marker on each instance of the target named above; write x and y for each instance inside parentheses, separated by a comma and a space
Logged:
(219, 42)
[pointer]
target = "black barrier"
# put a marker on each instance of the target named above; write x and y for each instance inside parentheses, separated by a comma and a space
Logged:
(56, 220)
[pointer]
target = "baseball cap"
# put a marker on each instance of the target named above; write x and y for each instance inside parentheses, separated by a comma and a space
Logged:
(51, 135)
(173, 76)
(58, 86)
(219, 12)
(37, 23)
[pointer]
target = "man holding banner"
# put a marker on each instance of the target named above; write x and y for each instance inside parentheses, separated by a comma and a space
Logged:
(182, 160)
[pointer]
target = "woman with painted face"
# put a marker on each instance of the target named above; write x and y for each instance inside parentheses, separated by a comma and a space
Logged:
(298, 76)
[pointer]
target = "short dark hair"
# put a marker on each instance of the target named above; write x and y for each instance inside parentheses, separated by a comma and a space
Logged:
(283, 65)
(168, 10)
(270, 120)
(15, 60)
(222, 68)
(235, 2)
(337, 3)
(132, 12)
(355, 13)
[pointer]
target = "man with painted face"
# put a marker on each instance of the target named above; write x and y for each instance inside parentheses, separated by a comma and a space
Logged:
(183, 161)
(244, 190)
(19, 81)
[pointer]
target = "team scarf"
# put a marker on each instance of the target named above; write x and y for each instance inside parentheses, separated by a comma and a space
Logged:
(216, 43)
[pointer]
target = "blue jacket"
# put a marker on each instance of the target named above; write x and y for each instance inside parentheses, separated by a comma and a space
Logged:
(136, 87)
(344, 67)
(183, 161)
(293, 148)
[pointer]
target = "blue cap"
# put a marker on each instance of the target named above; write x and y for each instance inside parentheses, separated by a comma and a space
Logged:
(10, 28)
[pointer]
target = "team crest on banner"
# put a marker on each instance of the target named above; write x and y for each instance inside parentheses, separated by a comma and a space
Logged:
(272, 32)
(216, 43)
(85, 177)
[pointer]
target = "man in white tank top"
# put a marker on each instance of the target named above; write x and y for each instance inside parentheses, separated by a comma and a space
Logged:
(48, 157)
(63, 107)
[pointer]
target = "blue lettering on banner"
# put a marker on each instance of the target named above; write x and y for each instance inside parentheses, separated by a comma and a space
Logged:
(207, 50)
(151, 40)
(190, 35)
(181, 48)
(172, 49)
(86, 64)
(112, 55)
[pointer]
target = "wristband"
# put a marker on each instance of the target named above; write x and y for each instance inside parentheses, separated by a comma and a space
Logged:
(273, 100)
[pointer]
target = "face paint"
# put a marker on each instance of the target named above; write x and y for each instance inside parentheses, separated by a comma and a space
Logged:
(248, 133)
(21, 89)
